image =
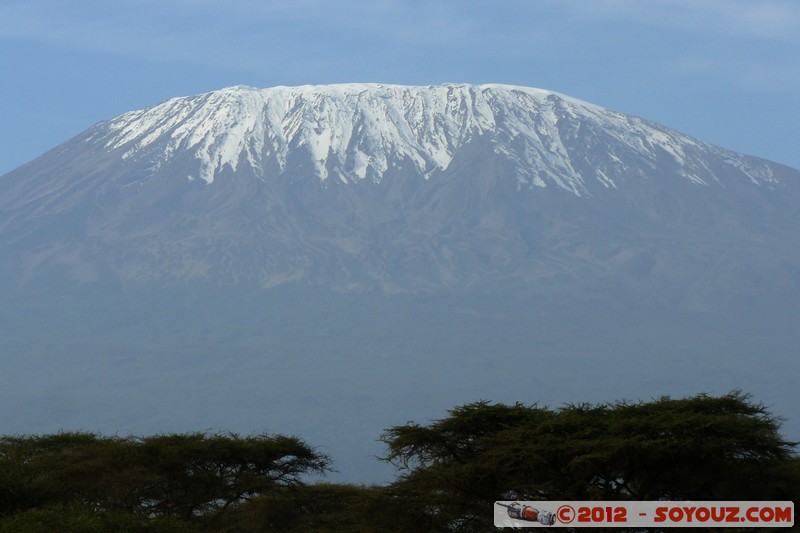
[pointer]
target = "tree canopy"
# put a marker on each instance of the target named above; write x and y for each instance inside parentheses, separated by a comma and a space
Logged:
(697, 448)
(190, 477)
(451, 471)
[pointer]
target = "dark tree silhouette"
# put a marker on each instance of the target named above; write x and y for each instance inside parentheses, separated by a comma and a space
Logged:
(698, 448)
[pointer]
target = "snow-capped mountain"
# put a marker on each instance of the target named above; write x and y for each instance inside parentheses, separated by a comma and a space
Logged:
(398, 187)
(358, 131)
(323, 260)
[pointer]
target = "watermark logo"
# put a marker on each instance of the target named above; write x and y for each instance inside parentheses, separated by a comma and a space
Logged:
(644, 514)
(527, 513)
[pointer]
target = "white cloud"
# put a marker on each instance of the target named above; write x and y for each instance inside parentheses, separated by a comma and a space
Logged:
(765, 19)
(360, 38)
(296, 38)
(103, 32)
(772, 20)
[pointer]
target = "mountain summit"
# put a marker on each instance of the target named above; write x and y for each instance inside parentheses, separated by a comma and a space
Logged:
(365, 185)
(359, 131)
(324, 260)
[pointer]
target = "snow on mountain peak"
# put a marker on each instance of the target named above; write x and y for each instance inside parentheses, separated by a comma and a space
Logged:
(356, 131)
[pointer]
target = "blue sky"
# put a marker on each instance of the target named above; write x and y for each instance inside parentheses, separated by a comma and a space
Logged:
(725, 71)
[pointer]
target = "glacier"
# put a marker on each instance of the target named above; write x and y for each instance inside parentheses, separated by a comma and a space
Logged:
(352, 132)
(301, 258)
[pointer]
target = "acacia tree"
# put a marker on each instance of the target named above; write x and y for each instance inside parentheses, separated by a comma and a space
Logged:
(451, 471)
(187, 476)
(697, 448)
(316, 508)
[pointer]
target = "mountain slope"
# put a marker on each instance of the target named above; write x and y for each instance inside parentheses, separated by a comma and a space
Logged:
(350, 132)
(365, 185)
(301, 259)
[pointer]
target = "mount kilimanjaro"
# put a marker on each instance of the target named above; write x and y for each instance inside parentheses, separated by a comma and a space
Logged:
(329, 261)
(389, 187)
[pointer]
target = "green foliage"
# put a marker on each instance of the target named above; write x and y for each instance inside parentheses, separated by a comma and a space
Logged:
(451, 471)
(320, 507)
(700, 448)
(80, 519)
(194, 476)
